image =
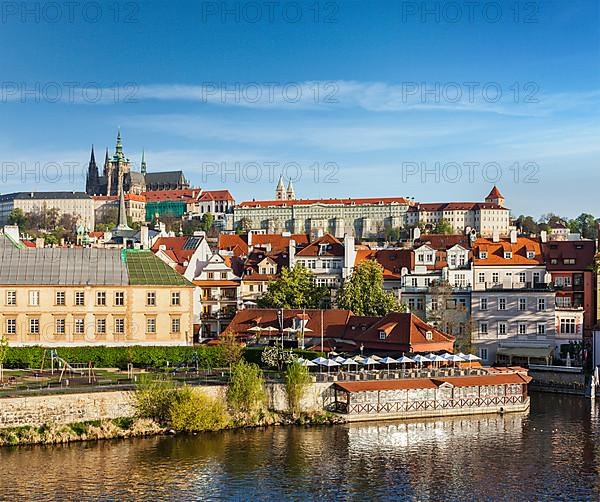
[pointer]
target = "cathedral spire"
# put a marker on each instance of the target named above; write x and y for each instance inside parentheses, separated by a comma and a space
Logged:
(291, 193)
(143, 165)
(91, 180)
(280, 193)
(119, 147)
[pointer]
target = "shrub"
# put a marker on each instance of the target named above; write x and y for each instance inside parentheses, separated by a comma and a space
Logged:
(154, 399)
(246, 393)
(297, 379)
(194, 411)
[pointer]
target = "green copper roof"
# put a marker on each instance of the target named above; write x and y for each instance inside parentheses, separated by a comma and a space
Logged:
(146, 269)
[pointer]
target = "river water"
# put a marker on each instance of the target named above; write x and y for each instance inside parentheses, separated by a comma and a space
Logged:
(551, 453)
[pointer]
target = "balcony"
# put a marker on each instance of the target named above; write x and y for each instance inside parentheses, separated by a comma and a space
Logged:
(513, 286)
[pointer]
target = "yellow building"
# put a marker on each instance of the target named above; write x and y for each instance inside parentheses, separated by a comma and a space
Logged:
(83, 296)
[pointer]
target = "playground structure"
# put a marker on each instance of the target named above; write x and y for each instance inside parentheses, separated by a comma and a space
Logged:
(62, 365)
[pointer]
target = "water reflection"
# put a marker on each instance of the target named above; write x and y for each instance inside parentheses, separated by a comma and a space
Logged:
(550, 453)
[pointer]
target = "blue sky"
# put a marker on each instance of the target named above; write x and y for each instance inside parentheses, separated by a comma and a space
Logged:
(365, 124)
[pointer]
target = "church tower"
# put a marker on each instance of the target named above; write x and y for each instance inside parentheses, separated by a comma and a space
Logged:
(116, 169)
(291, 193)
(280, 193)
(495, 197)
(92, 179)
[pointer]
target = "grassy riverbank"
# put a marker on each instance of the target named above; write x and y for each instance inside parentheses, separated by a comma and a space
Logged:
(129, 427)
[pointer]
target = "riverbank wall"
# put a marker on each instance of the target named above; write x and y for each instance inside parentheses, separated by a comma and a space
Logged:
(90, 406)
(557, 379)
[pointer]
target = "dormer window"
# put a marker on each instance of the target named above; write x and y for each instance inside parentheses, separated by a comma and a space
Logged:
(429, 335)
(531, 255)
(483, 255)
(507, 255)
(382, 335)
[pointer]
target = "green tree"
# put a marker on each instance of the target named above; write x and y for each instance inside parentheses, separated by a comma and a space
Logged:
(363, 292)
(587, 226)
(3, 354)
(207, 221)
(295, 289)
(297, 380)
(443, 227)
(527, 224)
(17, 217)
(246, 392)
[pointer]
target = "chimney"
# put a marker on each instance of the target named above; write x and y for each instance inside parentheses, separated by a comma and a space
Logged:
(349, 255)
(250, 238)
(513, 236)
(291, 252)
(543, 236)
(496, 235)
(144, 237)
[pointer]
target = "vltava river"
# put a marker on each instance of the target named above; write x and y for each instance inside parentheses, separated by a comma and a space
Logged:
(552, 453)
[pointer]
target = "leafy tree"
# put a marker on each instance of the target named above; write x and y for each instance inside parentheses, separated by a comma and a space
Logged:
(443, 227)
(392, 234)
(191, 226)
(449, 316)
(3, 354)
(207, 221)
(527, 225)
(231, 348)
(108, 220)
(245, 224)
(297, 380)
(17, 217)
(295, 289)
(363, 292)
(246, 392)
(586, 225)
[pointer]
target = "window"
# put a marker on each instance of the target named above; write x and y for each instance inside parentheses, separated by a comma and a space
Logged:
(502, 328)
(11, 326)
(175, 325)
(420, 304)
(483, 255)
(151, 325)
(211, 275)
(119, 325)
(508, 255)
(522, 304)
(521, 277)
(541, 304)
(176, 298)
(34, 298)
(60, 298)
(531, 255)
(101, 326)
(501, 303)
(483, 353)
(414, 282)
(251, 287)
(522, 328)
(483, 328)
(541, 328)
(34, 326)
(434, 304)
(567, 326)
(495, 277)
(119, 298)
(567, 281)
(481, 277)
(382, 335)
(569, 261)
(79, 326)
(536, 278)
(429, 335)
(101, 298)
(60, 327)
(483, 304)
(79, 298)
(11, 298)
(151, 298)
(224, 274)
(411, 303)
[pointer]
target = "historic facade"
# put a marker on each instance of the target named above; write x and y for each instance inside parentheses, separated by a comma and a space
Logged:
(118, 175)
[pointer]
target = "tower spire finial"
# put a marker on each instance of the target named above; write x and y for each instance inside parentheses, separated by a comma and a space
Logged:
(143, 165)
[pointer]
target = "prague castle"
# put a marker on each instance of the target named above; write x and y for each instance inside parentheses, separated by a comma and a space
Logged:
(117, 175)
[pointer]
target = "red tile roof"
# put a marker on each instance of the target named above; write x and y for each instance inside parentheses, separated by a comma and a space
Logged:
(278, 241)
(179, 249)
(581, 251)
(443, 241)
(495, 194)
(331, 247)
(216, 195)
(519, 251)
(128, 196)
(308, 202)
(235, 243)
(434, 383)
(392, 260)
(187, 195)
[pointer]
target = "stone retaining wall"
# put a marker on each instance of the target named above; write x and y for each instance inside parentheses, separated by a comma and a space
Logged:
(69, 408)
